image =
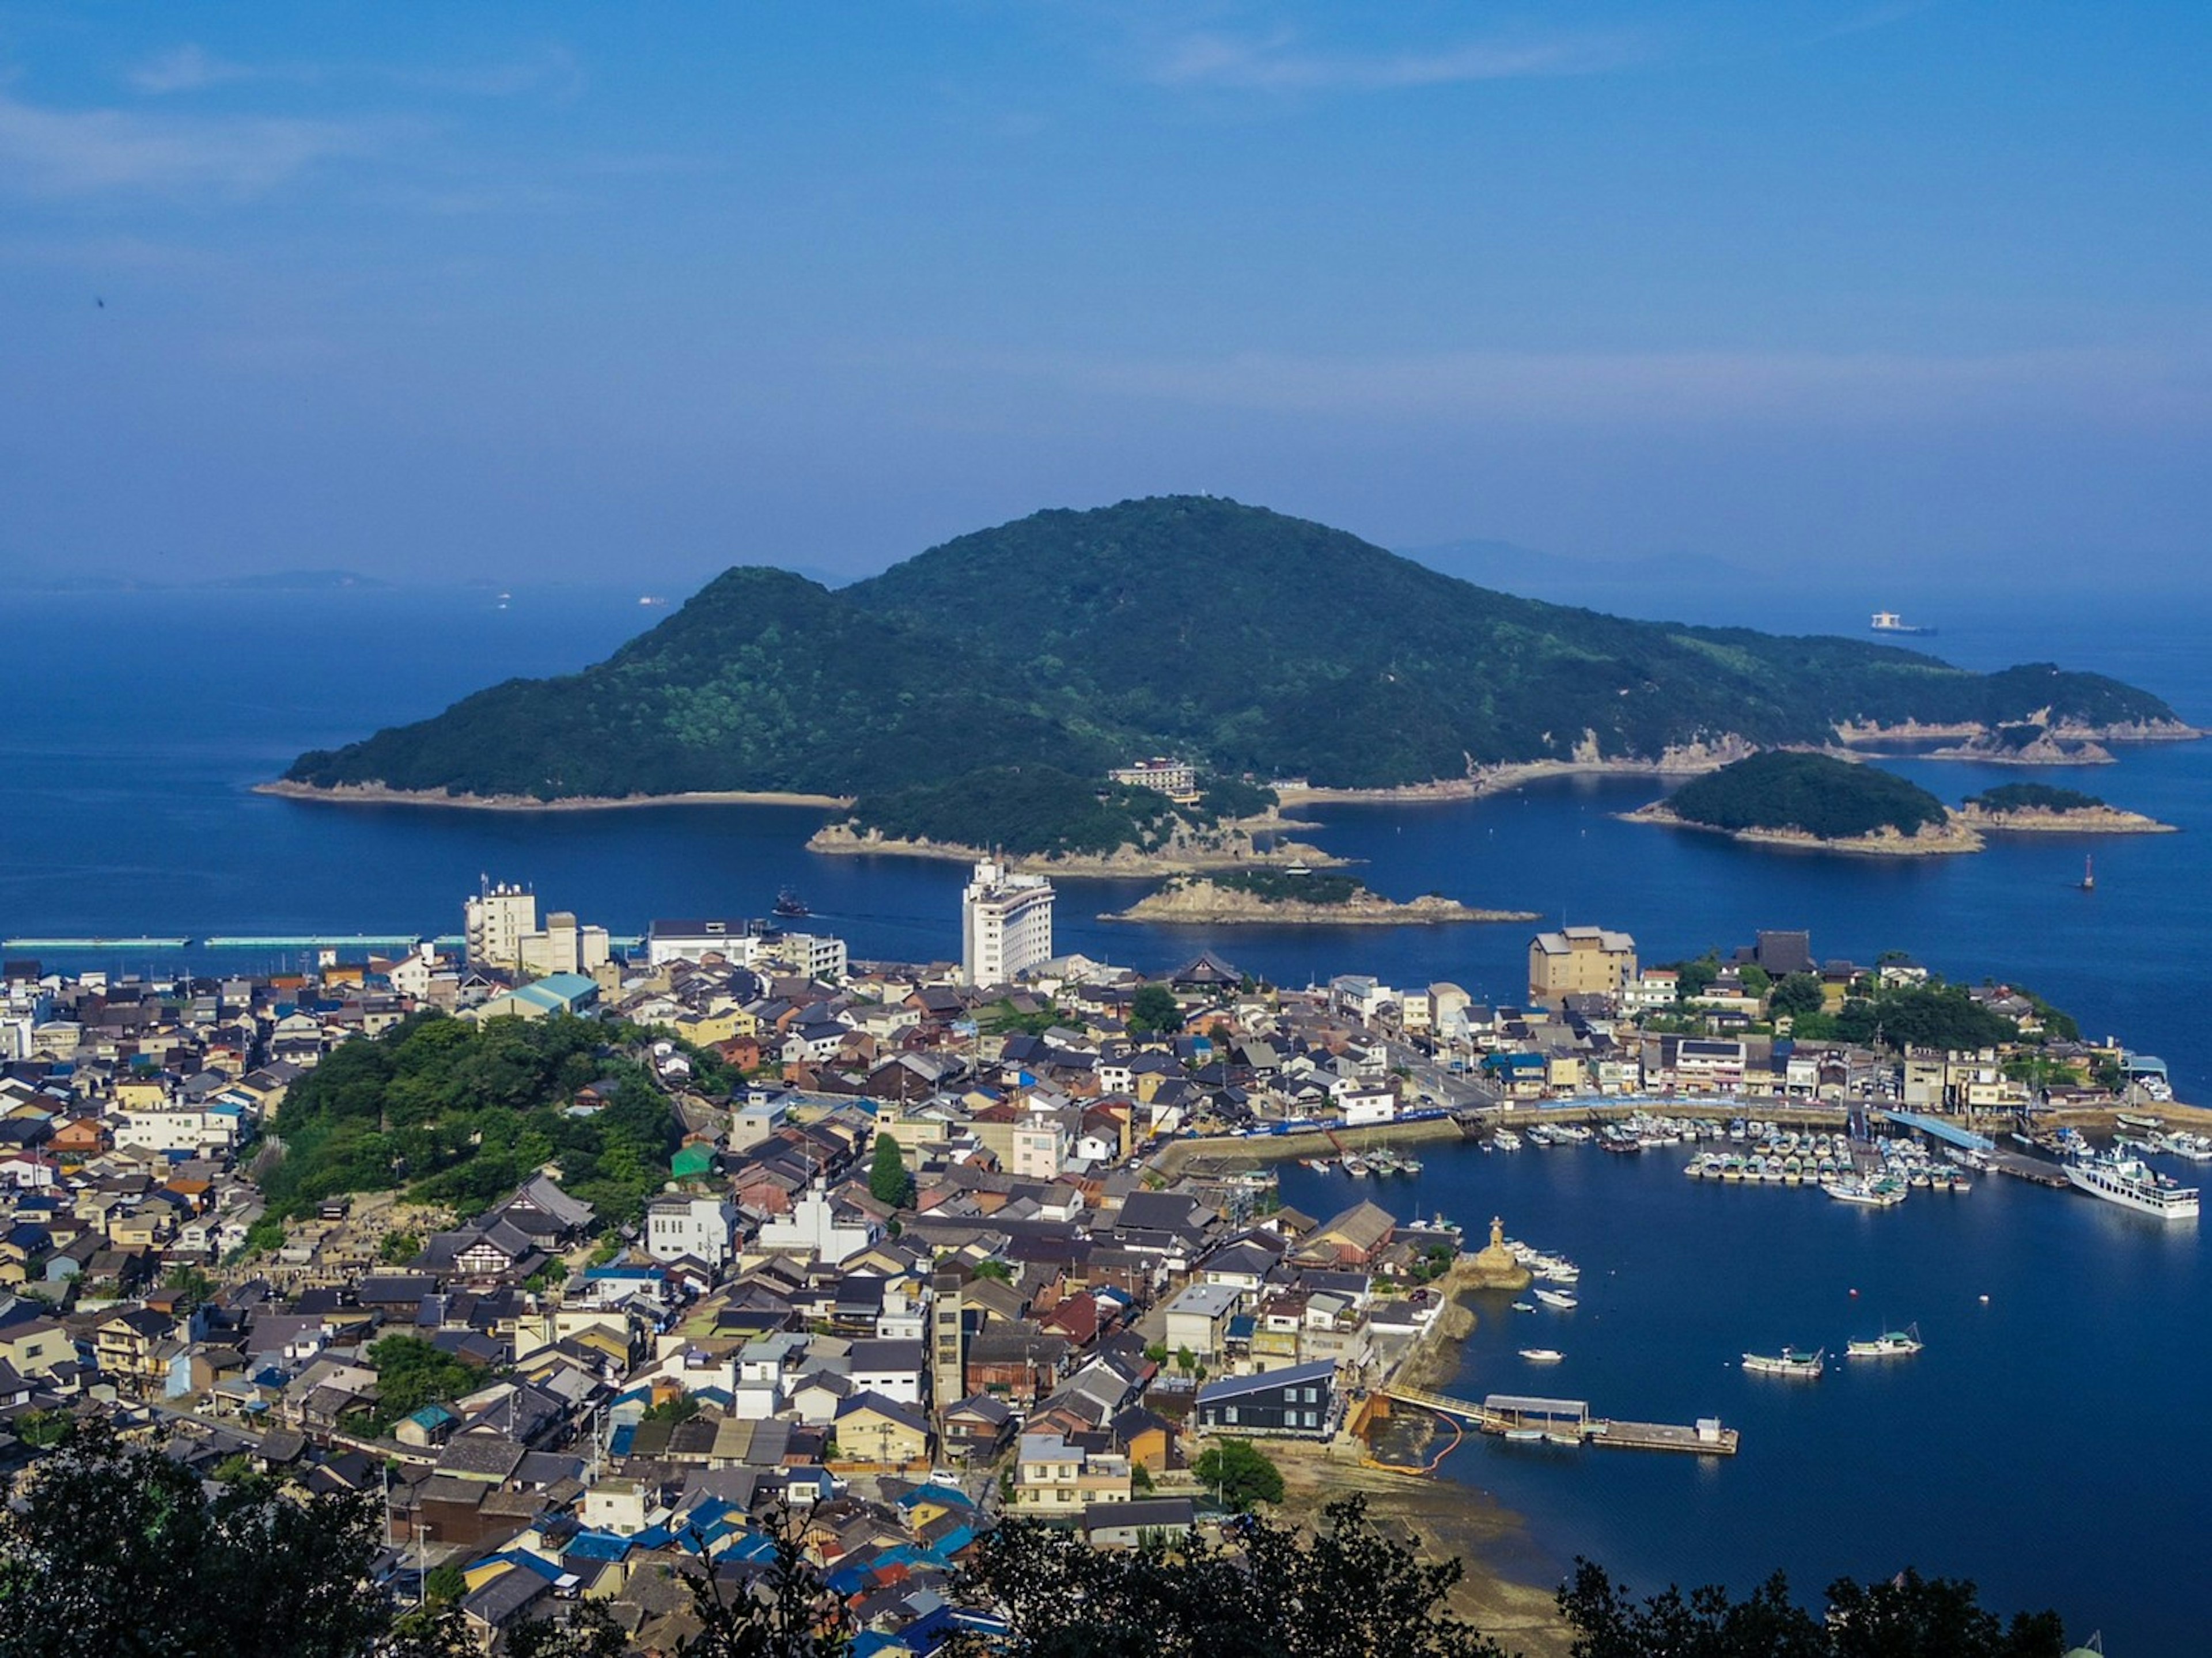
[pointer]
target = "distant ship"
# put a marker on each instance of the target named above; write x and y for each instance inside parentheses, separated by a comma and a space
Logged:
(651, 599)
(1888, 621)
(791, 906)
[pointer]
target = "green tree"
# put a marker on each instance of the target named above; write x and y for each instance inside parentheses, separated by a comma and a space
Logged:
(1755, 979)
(117, 1552)
(1154, 1008)
(888, 1180)
(1909, 1617)
(589, 1630)
(446, 1584)
(1796, 995)
(400, 1247)
(1343, 1592)
(1240, 1473)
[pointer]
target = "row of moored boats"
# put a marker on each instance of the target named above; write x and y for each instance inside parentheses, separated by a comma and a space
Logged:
(1793, 1361)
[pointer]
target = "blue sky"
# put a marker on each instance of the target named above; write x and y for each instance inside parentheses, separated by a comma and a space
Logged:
(564, 291)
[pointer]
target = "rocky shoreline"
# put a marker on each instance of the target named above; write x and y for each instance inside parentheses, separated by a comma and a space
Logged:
(1180, 858)
(378, 794)
(2082, 820)
(1202, 902)
(1932, 841)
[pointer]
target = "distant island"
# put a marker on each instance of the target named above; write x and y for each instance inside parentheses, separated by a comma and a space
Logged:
(1815, 800)
(1043, 819)
(2040, 808)
(1252, 645)
(1279, 897)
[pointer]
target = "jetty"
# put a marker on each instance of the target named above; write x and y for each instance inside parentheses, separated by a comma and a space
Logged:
(1525, 1417)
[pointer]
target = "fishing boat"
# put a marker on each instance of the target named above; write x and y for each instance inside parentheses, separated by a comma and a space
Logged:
(1788, 1362)
(1524, 1306)
(1524, 1435)
(1542, 1355)
(2130, 1183)
(790, 905)
(1506, 1140)
(1890, 1344)
(1559, 1299)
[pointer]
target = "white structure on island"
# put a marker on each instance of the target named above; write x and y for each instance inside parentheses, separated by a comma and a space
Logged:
(1005, 925)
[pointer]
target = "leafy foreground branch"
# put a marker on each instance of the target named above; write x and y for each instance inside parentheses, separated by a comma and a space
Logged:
(111, 1552)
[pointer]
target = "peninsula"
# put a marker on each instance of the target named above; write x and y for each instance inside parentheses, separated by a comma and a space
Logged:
(1250, 644)
(1278, 898)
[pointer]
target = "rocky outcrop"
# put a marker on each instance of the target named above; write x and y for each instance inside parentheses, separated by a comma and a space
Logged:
(1230, 849)
(1198, 901)
(2080, 820)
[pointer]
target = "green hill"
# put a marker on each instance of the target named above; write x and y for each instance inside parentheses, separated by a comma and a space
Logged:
(1831, 798)
(1245, 639)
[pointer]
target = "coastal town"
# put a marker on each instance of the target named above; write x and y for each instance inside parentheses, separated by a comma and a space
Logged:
(928, 1244)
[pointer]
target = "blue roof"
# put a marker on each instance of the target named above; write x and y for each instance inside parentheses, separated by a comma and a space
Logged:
(600, 1545)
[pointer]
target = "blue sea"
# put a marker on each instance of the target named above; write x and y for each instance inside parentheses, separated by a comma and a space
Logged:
(2049, 1444)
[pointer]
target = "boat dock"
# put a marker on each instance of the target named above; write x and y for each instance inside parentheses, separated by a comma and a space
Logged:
(2021, 1166)
(1568, 1422)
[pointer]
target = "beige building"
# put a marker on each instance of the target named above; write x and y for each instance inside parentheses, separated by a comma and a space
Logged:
(1579, 960)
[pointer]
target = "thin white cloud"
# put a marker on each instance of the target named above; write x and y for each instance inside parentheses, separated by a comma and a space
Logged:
(1654, 388)
(1277, 63)
(188, 69)
(553, 71)
(54, 152)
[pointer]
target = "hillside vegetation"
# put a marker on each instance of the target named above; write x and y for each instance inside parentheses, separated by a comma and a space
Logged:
(2033, 797)
(1248, 641)
(1833, 800)
(461, 1113)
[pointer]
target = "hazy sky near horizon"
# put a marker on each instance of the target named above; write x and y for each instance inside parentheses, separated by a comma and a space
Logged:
(563, 291)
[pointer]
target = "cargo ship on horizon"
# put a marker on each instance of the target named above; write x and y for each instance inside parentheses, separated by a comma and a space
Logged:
(1889, 622)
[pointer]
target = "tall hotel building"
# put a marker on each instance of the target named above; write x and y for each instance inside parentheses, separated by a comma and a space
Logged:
(1005, 925)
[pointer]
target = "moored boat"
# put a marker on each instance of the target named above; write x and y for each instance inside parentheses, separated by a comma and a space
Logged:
(1890, 1344)
(1788, 1362)
(1559, 1299)
(2130, 1183)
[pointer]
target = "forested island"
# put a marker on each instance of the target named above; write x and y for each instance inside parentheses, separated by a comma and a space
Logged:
(2040, 808)
(1281, 897)
(1253, 644)
(1815, 800)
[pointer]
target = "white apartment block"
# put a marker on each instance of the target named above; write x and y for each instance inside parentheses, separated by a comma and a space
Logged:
(699, 1227)
(1005, 925)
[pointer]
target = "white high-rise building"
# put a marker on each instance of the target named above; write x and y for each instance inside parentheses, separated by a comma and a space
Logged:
(1005, 925)
(496, 922)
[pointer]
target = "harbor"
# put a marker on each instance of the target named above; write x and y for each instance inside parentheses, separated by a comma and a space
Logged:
(1523, 1419)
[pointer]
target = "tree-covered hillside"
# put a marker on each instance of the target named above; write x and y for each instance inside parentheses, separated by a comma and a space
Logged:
(2033, 797)
(1833, 800)
(1246, 640)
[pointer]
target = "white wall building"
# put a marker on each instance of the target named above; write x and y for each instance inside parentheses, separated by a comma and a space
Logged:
(494, 923)
(812, 1228)
(694, 940)
(699, 1227)
(1005, 925)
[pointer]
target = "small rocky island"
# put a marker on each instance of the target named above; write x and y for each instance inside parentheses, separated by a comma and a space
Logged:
(2038, 808)
(1291, 897)
(1815, 800)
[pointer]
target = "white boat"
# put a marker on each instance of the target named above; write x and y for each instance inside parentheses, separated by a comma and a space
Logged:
(1890, 1344)
(1880, 1194)
(1524, 1306)
(1506, 1140)
(1788, 1362)
(2130, 1183)
(1559, 1299)
(1542, 1355)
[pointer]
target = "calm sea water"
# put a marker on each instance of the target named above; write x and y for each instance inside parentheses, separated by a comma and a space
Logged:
(2048, 1444)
